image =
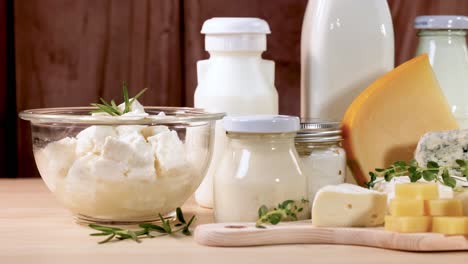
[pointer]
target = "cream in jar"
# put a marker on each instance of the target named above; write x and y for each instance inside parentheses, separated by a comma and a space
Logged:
(323, 158)
(260, 166)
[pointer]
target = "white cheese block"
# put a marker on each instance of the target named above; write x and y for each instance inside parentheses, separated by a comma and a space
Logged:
(136, 109)
(169, 151)
(55, 160)
(91, 139)
(150, 131)
(348, 205)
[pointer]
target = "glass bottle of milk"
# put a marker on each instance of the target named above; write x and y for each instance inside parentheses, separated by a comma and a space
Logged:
(345, 46)
(235, 79)
(443, 38)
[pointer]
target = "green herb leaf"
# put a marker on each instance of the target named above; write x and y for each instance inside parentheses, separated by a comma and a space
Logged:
(429, 175)
(432, 172)
(262, 211)
(432, 164)
(112, 108)
(180, 216)
(146, 228)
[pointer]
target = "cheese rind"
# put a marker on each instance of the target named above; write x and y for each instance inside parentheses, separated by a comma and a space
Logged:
(348, 205)
(417, 190)
(444, 207)
(385, 122)
(408, 224)
(450, 225)
(399, 207)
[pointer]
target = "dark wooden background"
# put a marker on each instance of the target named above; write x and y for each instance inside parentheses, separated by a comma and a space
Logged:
(70, 52)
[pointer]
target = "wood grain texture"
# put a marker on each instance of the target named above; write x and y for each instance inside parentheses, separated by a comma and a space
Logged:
(36, 229)
(3, 84)
(71, 52)
(242, 234)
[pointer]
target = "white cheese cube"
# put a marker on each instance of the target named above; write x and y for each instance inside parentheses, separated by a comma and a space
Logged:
(150, 131)
(55, 160)
(136, 109)
(169, 152)
(91, 139)
(108, 169)
(134, 152)
(348, 205)
(127, 129)
(117, 150)
(80, 180)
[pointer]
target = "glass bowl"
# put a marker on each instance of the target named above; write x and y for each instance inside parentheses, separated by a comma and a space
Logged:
(122, 170)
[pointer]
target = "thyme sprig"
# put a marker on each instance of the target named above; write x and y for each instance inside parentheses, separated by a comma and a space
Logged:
(432, 172)
(286, 210)
(147, 230)
(112, 108)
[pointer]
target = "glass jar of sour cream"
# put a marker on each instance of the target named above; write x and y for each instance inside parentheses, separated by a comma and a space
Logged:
(323, 158)
(260, 166)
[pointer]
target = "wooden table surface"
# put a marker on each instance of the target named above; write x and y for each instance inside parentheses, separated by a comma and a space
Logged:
(34, 228)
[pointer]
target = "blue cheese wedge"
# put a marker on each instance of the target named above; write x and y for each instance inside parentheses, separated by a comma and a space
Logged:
(443, 147)
(348, 205)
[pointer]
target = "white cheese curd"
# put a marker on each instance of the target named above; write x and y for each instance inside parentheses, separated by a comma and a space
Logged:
(119, 172)
(58, 157)
(91, 139)
(136, 109)
(169, 152)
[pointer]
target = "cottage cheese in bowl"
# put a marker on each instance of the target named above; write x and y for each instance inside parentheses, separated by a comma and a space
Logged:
(125, 172)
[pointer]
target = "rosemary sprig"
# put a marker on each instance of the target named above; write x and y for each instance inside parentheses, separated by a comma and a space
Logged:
(112, 108)
(431, 172)
(147, 229)
(286, 210)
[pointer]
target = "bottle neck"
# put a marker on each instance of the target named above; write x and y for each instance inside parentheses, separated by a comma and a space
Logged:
(244, 54)
(457, 34)
(258, 139)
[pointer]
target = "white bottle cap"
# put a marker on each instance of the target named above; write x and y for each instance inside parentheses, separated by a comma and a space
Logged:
(441, 22)
(235, 34)
(261, 124)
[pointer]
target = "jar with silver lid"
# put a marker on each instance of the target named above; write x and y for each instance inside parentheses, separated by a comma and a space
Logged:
(324, 160)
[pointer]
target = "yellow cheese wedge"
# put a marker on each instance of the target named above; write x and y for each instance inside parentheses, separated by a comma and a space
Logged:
(450, 225)
(408, 224)
(417, 190)
(444, 207)
(384, 123)
(402, 207)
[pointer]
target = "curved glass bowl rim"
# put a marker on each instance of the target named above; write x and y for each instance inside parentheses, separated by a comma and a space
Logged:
(175, 115)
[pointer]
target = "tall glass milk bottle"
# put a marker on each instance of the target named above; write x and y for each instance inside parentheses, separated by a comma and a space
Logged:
(235, 80)
(345, 46)
(443, 38)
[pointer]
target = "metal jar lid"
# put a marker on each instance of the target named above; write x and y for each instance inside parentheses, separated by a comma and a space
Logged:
(319, 131)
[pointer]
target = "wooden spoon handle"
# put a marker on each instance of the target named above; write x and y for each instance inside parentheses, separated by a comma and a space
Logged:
(246, 234)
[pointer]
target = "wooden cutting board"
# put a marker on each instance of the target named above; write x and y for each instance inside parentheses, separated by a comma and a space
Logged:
(246, 234)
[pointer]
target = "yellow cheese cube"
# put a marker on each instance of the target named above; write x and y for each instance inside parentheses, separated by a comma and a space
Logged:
(408, 224)
(455, 225)
(400, 207)
(444, 207)
(417, 190)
